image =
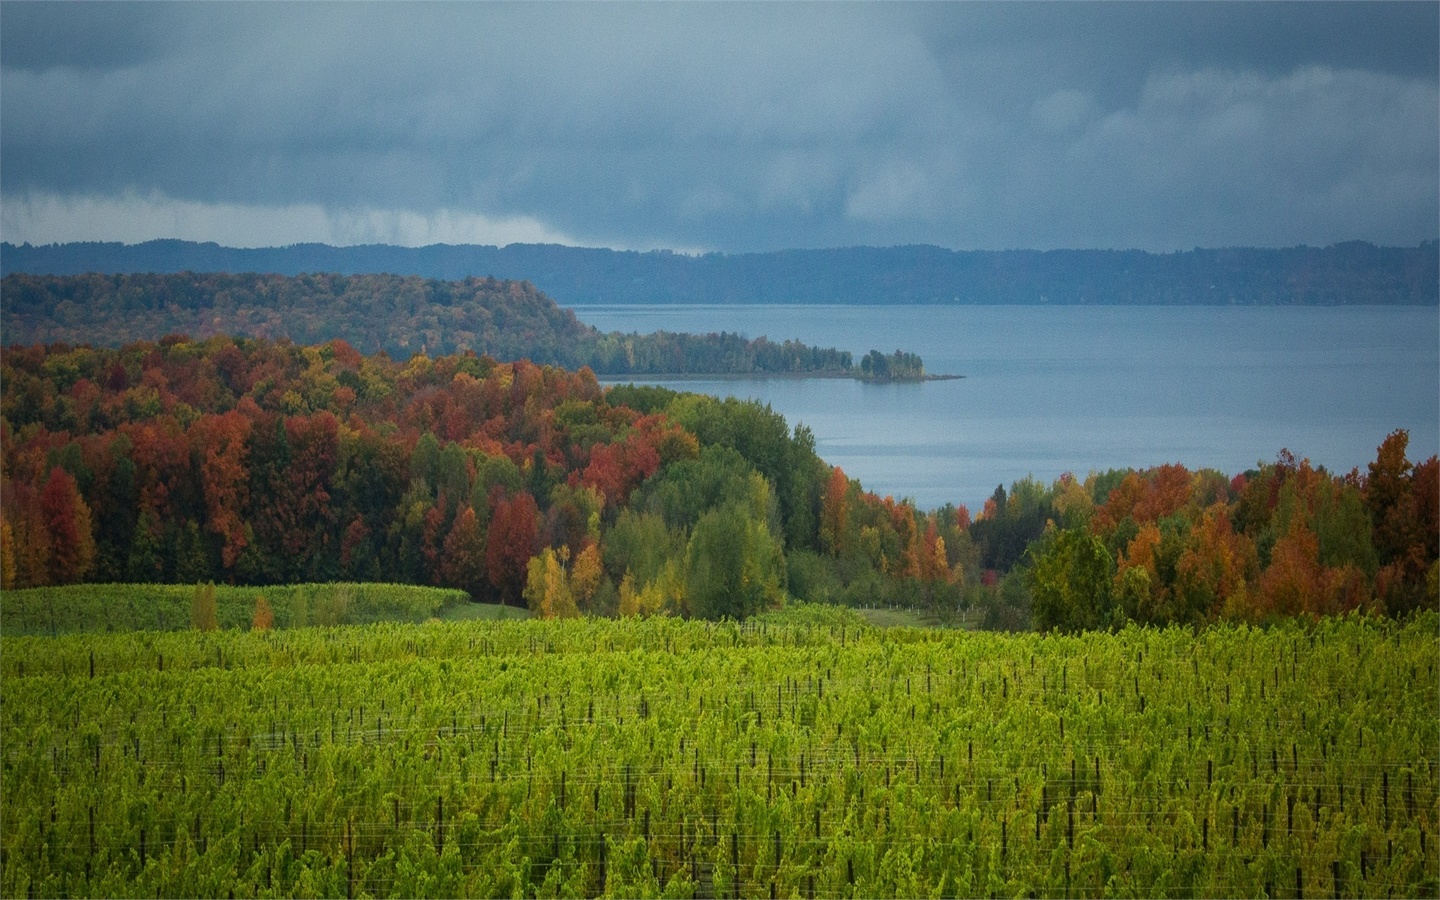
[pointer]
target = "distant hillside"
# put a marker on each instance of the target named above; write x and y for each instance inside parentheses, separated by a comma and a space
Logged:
(401, 315)
(1353, 273)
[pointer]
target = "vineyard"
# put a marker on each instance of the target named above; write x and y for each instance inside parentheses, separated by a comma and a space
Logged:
(806, 757)
(167, 607)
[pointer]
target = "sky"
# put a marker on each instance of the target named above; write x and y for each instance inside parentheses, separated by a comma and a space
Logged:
(732, 127)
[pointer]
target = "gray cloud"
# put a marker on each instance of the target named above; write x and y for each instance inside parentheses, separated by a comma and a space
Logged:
(730, 126)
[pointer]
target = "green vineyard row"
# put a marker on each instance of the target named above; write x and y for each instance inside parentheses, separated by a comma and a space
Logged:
(661, 757)
(168, 607)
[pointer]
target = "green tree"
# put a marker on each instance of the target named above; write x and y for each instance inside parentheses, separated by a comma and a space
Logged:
(452, 475)
(685, 490)
(1070, 583)
(188, 553)
(425, 459)
(639, 544)
(733, 565)
(144, 563)
(1343, 527)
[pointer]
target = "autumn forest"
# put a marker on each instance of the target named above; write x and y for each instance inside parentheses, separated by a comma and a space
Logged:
(256, 461)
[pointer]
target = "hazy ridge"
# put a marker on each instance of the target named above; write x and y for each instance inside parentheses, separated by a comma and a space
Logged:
(1352, 273)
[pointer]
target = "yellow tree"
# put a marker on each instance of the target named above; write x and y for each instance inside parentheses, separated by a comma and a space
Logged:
(547, 587)
(7, 555)
(1217, 567)
(629, 597)
(585, 574)
(665, 592)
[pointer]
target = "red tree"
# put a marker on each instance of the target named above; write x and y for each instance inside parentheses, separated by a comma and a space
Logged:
(513, 538)
(314, 444)
(1293, 584)
(220, 442)
(617, 469)
(835, 513)
(67, 519)
(463, 558)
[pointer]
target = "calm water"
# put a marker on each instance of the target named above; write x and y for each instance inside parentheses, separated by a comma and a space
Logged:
(1055, 389)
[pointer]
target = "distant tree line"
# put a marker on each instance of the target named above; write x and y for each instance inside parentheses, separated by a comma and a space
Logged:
(508, 320)
(1352, 273)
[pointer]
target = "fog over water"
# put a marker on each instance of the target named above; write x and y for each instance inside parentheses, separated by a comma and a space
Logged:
(1054, 389)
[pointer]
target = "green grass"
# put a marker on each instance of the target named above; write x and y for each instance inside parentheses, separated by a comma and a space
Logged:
(468, 612)
(167, 607)
(811, 615)
(914, 618)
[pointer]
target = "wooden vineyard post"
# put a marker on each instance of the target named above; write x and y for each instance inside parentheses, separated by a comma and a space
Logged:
(735, 863)
(349, 860)
(602, 863)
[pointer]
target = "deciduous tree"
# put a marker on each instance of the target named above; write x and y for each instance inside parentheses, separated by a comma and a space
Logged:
(733, 565)
(1070, 583)
(512, 538)
(835, 514)
(220, 443)
(463, 556)
(67, 522)
(547, 587)
(586, 573)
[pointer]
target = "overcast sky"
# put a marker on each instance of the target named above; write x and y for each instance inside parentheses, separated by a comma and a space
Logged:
(730, 127)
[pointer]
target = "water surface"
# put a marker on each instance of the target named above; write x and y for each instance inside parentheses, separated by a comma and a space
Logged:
(1054, 389)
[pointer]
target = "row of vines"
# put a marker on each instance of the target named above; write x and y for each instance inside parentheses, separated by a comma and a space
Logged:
(687, 759)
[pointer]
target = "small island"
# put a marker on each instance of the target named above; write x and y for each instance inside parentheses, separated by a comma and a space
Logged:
(900, 366)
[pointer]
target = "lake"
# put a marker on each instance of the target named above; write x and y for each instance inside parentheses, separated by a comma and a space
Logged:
(1054, 389)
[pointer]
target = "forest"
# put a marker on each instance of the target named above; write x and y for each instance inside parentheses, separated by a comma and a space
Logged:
(397, 315)
(250, 461)
(1354, 272)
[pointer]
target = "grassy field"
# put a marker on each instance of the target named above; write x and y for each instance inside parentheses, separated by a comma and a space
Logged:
(914, 618)
(168, 607)
(804, 754)
(487, 612)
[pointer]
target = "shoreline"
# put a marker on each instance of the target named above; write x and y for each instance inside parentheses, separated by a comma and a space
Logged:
(764, 376)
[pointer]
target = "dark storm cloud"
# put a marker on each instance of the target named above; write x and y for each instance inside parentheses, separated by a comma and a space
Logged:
(730, 126)
(36, 37)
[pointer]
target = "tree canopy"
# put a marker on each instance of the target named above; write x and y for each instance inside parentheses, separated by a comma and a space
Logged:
(251, 461)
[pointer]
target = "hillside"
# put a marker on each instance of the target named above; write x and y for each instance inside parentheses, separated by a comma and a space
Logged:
(256, 462)
(1353, 273)
(508, 320)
